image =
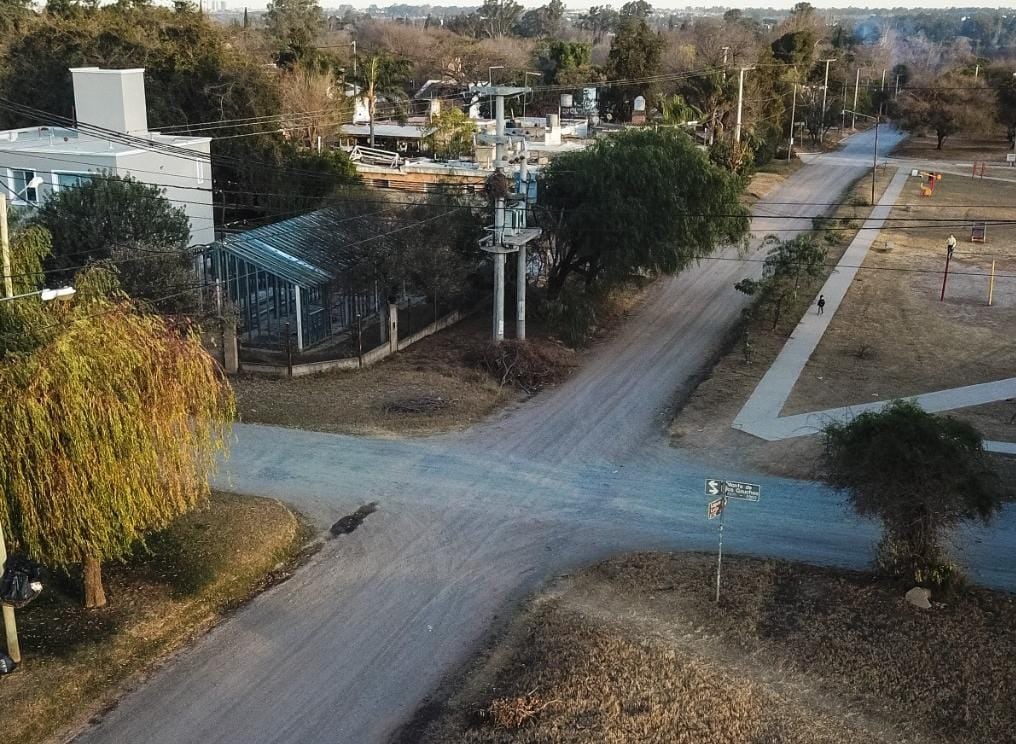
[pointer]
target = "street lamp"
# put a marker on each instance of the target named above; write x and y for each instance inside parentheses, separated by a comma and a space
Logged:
(46, 295)
(874, 155)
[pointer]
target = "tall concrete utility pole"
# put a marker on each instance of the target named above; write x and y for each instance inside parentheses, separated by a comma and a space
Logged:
(507, 238)
(740, 101)
(825, 93)
(853, 111)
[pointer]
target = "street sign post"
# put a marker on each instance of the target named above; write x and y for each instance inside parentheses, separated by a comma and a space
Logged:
(720, 491)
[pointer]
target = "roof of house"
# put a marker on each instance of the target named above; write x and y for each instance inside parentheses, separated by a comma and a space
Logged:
(308, 250)
(65, 141)
(398, 131)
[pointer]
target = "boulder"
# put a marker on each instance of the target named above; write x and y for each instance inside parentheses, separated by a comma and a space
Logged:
(918, 597)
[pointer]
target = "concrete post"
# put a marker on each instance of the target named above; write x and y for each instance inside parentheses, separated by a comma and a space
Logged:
(520, 294)
(740, 104)
(393, 327)
(299, 319)
(230, 350)
(498, 297)
(857, 86)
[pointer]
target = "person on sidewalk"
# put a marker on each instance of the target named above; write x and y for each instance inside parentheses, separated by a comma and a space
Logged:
(821, 304)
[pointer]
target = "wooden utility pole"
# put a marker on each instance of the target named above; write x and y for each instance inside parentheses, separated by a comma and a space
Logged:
(5, 249)
(10, 626)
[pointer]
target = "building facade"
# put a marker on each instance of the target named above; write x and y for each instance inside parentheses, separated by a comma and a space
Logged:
(62, 157)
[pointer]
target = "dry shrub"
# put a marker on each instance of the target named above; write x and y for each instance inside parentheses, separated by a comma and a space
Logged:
(524, 365)
(516, 712)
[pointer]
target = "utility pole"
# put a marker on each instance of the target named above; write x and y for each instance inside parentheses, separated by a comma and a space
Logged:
(353, 44)
(977, 69)
(882, 87)
(5, 249)
(793, 113)
(853, 113)
(874, 159)
(950, 246)
(897, 93)
(825, 93)
(10, 626)
(843, 108)
(520, 264)
(740, 101)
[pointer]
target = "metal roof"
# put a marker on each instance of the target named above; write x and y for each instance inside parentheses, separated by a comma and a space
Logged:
(308, 250)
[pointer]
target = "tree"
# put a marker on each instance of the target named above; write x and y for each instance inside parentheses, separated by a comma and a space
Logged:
(638, 202)
(498, 17)
(636, 9)
(634, 54)
(563, 61)
(787, 263)
(794, 47)
(599, 20)
(313, 101)
(452, 133)
(295, 23)
(920, 474)
(111, 427)
(946, 105)
(381, 75)
(128, 222)
(547, 20)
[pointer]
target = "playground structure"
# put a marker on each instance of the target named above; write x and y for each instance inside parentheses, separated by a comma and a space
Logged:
(928, 187)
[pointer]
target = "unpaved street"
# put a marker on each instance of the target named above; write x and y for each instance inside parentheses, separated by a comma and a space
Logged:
(467, 523)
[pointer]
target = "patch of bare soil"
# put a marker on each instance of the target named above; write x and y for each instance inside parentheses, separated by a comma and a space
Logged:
(893, 336)
(702, 425)
(768, 178)
(635, 650)
(179, 585)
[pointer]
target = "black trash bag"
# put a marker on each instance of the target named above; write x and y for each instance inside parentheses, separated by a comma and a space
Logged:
(7, 664)
(20, 582)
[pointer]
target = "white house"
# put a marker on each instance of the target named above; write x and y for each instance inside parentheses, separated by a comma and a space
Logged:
(36, 161)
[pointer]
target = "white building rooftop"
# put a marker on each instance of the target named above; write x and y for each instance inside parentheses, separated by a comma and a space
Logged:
(62, 141)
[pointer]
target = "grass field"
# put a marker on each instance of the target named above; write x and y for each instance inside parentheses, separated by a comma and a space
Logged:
(635, 650)
(893, 336)
(76, 660)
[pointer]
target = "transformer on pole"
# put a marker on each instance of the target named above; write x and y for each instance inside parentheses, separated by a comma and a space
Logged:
(510, 232)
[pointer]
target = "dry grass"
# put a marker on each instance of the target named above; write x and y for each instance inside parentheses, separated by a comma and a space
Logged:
(438, 384)
(380, 399)
(76, 660)
(893, 337)
(765, 180)
(957, 149)
(634, 650)
(703, 423)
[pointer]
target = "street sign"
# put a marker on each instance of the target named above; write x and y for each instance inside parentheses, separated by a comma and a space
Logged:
(743, 491)
(716, 508)
(733, 489)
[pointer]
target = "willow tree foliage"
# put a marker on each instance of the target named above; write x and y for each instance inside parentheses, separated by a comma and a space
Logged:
(111, 426)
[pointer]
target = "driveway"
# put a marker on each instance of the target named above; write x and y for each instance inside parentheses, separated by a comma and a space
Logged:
(347, 649)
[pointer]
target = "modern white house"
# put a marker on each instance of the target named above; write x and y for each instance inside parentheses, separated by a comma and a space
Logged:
(37, 161)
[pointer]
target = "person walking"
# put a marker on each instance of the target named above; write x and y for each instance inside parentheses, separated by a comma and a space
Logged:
(821, 304)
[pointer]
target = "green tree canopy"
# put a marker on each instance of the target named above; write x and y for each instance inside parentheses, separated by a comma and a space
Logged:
(452, 134)
(635, 54)
(129, 223)
(381, 75)
(919, 474)
(641, 201)
(294, 23)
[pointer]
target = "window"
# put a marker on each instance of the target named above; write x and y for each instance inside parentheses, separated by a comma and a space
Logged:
(70, 180)
(22, 190)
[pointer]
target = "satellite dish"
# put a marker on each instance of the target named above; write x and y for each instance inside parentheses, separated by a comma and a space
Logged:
(640, 103)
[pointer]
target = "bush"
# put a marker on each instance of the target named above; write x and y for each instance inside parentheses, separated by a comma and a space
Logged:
(519, 364)
(571, 316)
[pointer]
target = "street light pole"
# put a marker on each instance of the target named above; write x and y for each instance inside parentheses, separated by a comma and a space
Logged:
(874, 160)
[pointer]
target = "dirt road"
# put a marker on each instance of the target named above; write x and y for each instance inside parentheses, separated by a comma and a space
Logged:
(467, 523)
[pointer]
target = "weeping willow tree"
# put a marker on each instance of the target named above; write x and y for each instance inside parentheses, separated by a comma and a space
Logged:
(112, 422)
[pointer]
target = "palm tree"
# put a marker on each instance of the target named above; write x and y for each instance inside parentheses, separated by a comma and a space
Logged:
(381, 74)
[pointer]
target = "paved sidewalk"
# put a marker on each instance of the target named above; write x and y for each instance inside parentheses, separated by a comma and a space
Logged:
(760, 415)
(767, 400)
